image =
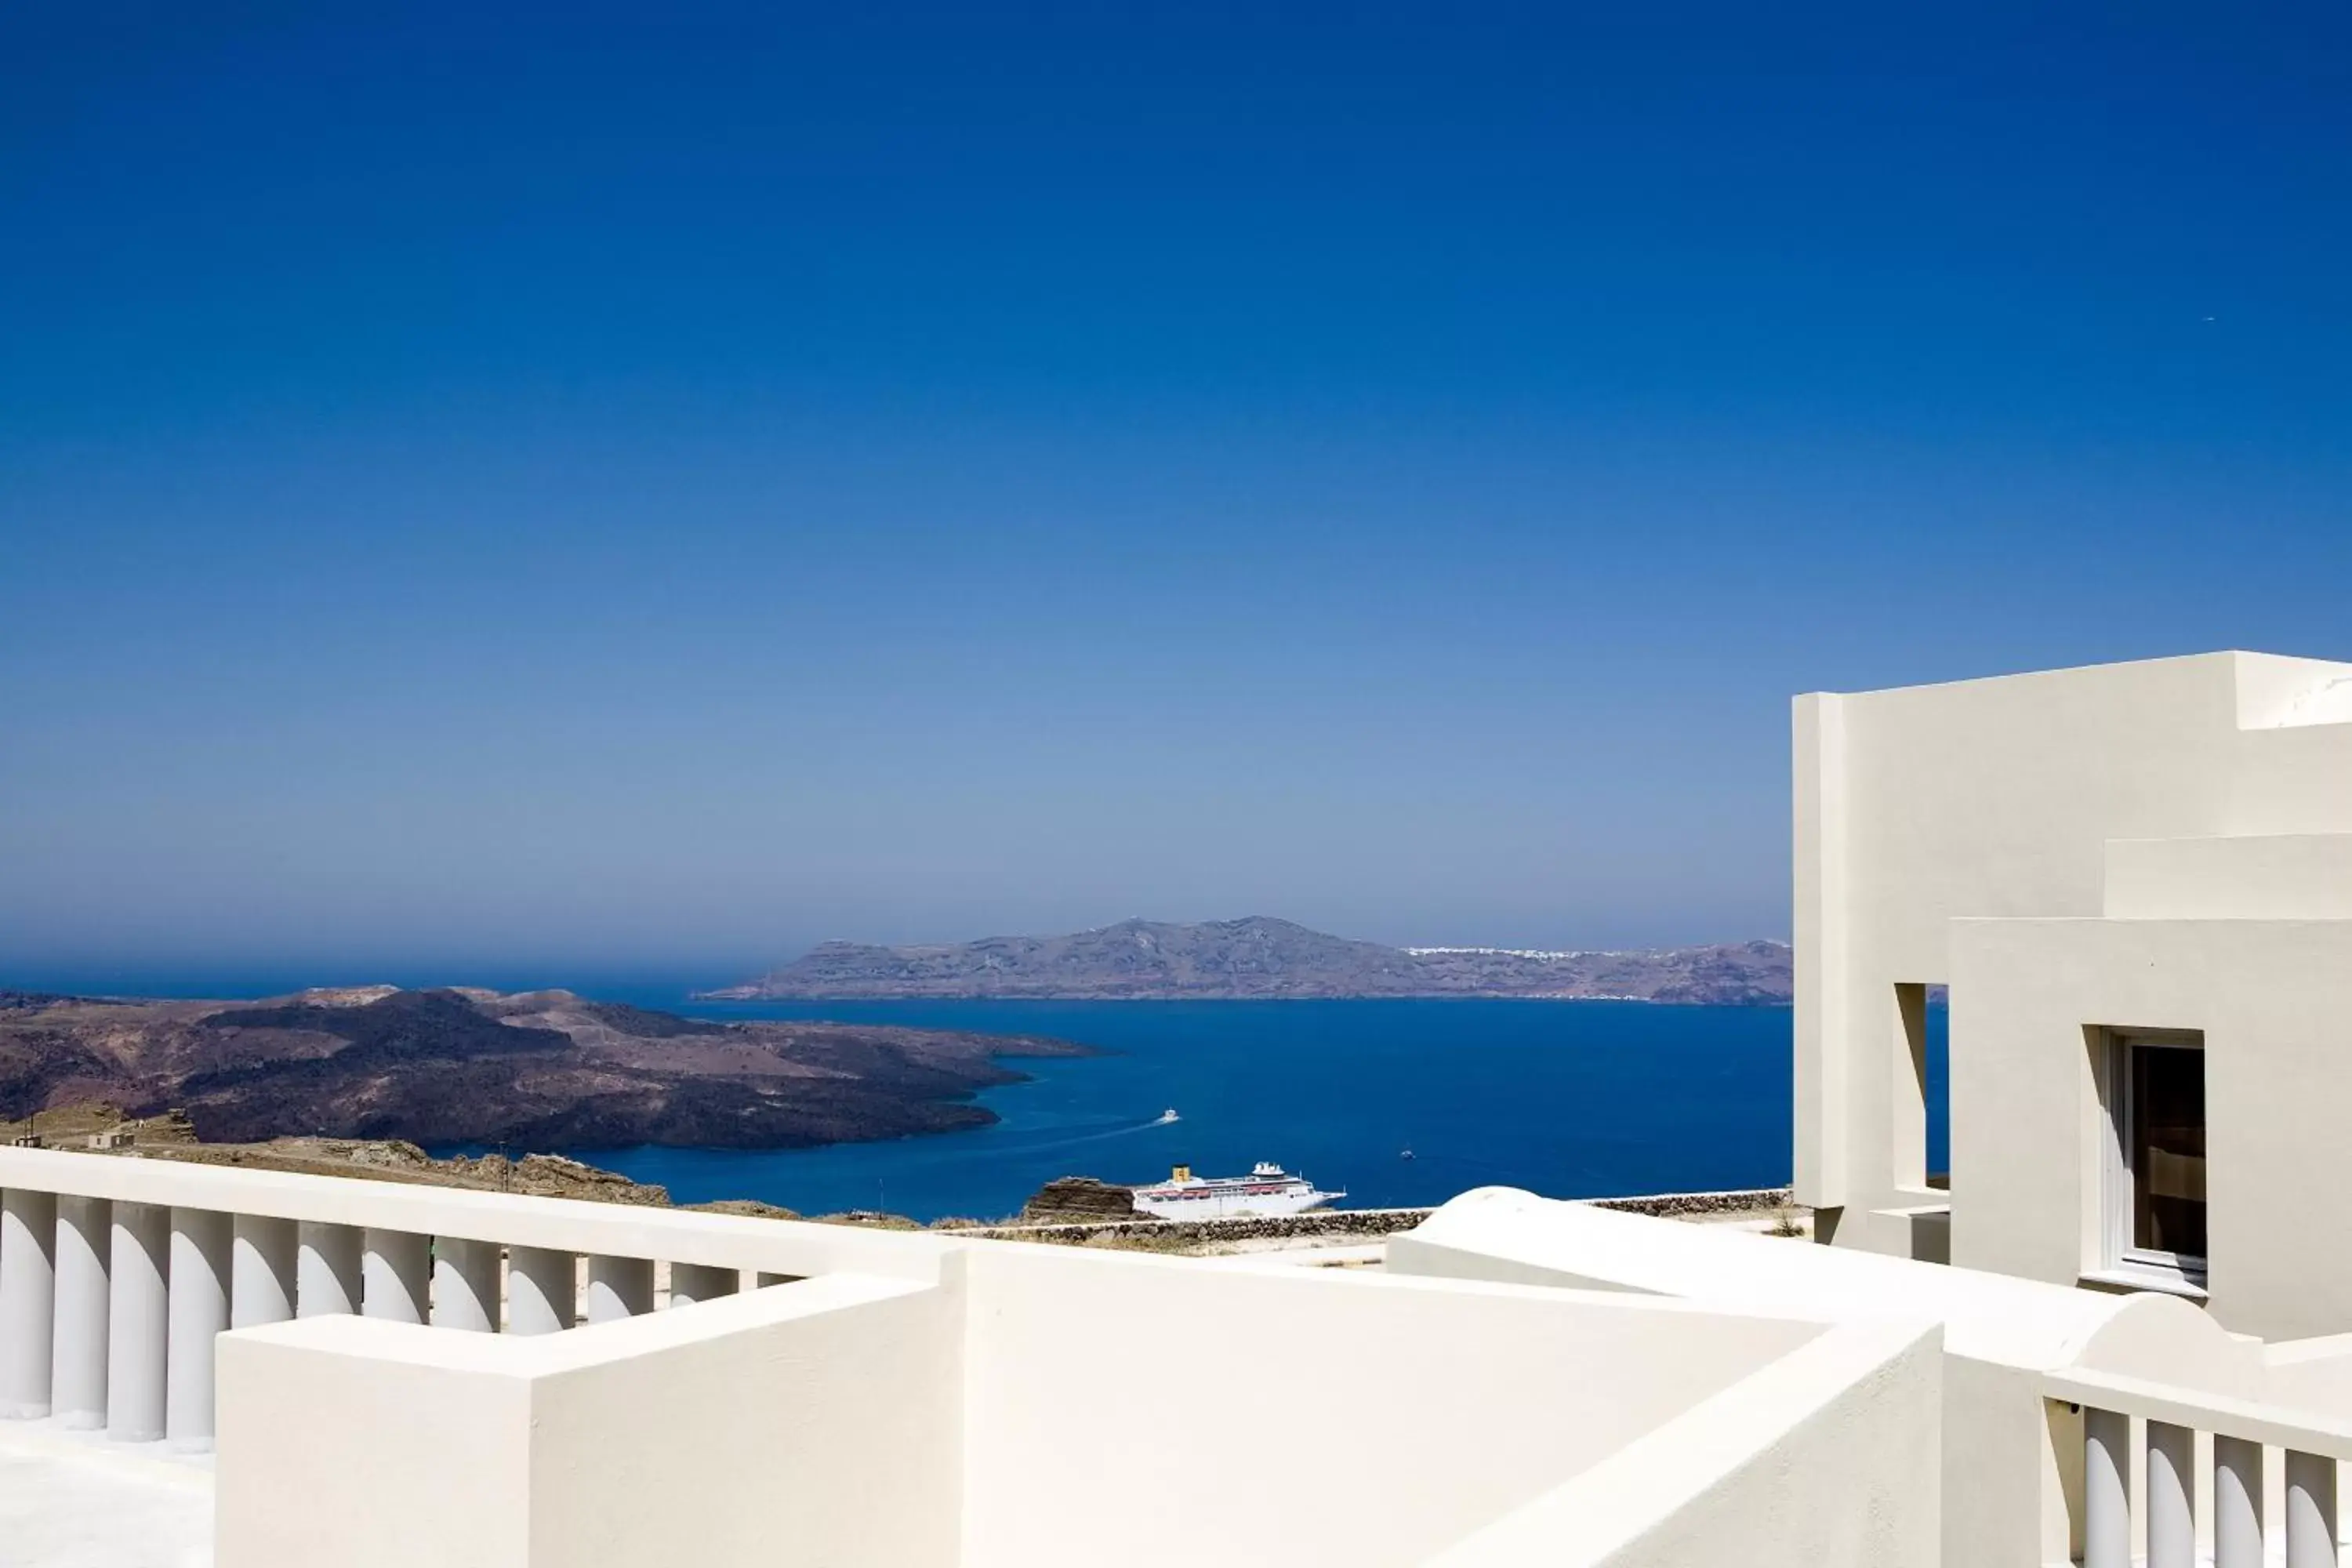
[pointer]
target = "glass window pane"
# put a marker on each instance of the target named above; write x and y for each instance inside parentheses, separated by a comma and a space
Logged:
(2168, 1152)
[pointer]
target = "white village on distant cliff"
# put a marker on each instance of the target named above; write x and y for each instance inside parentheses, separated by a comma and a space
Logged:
(2117, 1331)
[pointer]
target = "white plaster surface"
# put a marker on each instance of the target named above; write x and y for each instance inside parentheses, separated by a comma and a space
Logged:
(1997, 799)
(2269, 998)
(73, 1499)
(2271, 876)
(817, 1423)
(1190, 1414)
(1827, 1458)
(1499, 1233)
(2005, 1450)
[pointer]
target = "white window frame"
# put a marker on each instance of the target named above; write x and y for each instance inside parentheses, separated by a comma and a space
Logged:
(2119, 1187)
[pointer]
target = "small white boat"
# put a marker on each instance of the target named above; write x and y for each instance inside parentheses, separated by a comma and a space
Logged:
(1167, 1116)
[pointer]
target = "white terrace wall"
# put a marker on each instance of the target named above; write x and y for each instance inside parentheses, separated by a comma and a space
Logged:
(1829, 1458)
(2009, 1458)
(819, 1422)
(1158, 1414)
(1996, 798)
(116, 1273)
(1038, 1406)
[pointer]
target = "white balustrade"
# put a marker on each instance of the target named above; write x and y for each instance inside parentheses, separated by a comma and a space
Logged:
(2237, 1503)
(199, 1289)
(543, 1287)
(395, 1271)
(619, 1288)
(77, 1375)
(326, 1269)
(138, 1323)
(117, 1275)
(2106, 1490)
(265, 1270)
(28, 1294)
(2242, 1431)
(2310, 1510)
(2171, 1496)
(466, 1285)
(692, 1282)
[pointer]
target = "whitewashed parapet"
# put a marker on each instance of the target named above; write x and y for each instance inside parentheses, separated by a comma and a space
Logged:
(567, 1224)
(1827, 1458)
(816, 1423)
(118, 1274)
(2311, 1443)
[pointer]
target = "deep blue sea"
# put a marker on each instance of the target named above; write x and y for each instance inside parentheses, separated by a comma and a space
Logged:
(1567, 1098)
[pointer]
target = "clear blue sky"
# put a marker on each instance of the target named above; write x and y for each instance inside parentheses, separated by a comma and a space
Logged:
(500, 492)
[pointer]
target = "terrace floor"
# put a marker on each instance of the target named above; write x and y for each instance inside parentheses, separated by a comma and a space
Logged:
(73, 1499)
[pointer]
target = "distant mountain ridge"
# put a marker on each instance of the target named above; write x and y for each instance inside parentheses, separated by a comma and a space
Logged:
(1260, 957)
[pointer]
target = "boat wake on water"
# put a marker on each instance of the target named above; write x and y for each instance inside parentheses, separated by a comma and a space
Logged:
(1123, 1131)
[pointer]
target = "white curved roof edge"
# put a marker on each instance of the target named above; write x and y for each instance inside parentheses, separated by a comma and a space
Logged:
(1986, 1317)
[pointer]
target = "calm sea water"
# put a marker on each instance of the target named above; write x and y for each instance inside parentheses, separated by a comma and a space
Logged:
(1569, 1099)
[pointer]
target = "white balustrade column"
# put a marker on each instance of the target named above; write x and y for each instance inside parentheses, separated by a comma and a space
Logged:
(692, 1282)
(619, 1288)
(2310, 1510)
(2237, 1503)
(466, 1285)
(327, 1272)
(2171, 1496)
(77, 1370)
(2106, 1489)
(201, 1263)
(541, 1288)
(138, 1322)
(263, 1266)
(394, 1269)
(28, 1300)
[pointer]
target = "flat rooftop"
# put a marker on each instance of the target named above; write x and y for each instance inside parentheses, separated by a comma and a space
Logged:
(76, 1499)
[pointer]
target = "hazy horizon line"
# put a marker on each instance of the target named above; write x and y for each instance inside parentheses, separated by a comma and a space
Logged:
(235, 979)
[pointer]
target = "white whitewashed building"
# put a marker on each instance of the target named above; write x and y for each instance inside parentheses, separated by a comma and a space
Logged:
(2137, 880)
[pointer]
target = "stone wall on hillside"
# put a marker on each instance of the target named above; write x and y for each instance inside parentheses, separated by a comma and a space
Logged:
(1366, 1222)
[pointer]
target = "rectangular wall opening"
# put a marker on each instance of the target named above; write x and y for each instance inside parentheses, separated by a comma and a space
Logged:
(2154, 1087)
(1937, 1075)
(1922, 1086)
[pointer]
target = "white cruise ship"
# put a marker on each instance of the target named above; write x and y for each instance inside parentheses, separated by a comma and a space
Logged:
(1268, 1190)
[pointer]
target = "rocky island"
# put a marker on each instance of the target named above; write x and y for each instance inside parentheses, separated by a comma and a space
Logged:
(543, 1070)
(1259, 957)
